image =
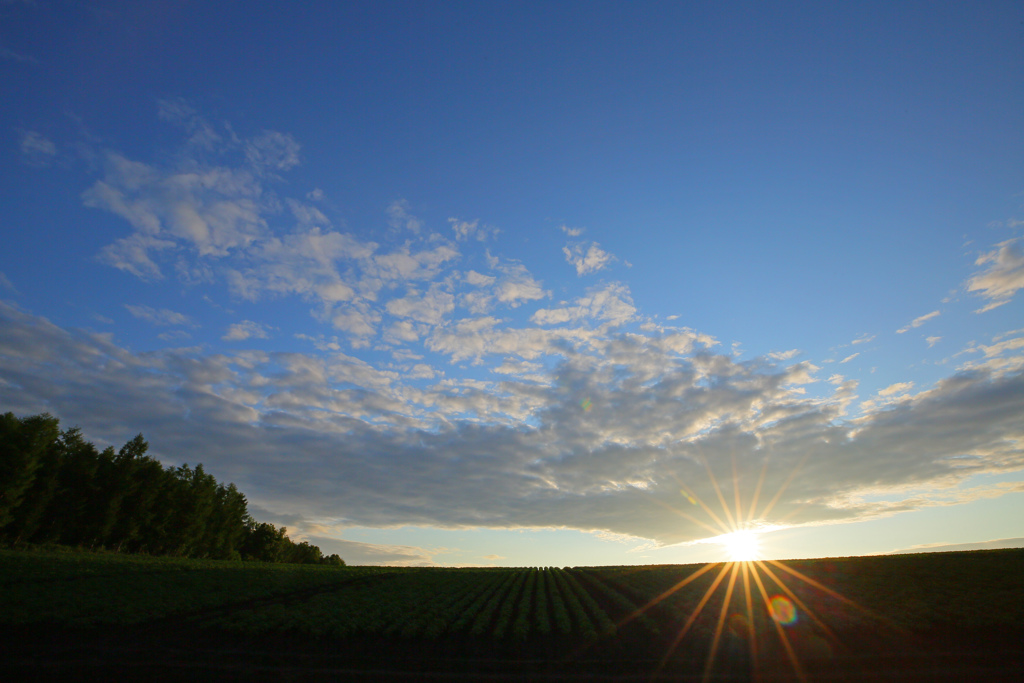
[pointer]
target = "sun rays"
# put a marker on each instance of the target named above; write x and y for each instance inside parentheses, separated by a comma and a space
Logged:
(749, 600)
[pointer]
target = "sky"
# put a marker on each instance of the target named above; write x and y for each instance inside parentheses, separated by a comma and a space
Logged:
(531, 283)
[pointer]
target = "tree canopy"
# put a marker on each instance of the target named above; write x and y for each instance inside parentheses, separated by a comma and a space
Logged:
(56, 487)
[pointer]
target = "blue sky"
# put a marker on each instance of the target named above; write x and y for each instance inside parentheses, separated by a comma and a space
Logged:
(517, 283)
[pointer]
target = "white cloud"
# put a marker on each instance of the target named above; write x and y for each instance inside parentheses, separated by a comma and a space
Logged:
(174, 336)
(587, 259)
(163, 316)
(1010, 333)
(214, 221)
(132, 254)
(571, 232)
(321, 342)
(849, 358)
(601, 446)
(357, 320)
(479, 280)
(37, 149)
(917, 322)
(246, 329)
(992, 305)
(466, 230)
(517, 367)
(5, 283)
(475, 338)
(863, 339)
(306, 215)
(309, 263)
(403, 331)
(517, 285)
(513, 286)
(422, 371)
(898, 388)
(1001, 347)
(932, 341)
(202, 135)
(1003, 277)
(405, 355)
(273, 150)
(784, 355)
(199, 212)
(212, 210)
(430, 307)
(401, 219)
(611, 303)
(403, 264)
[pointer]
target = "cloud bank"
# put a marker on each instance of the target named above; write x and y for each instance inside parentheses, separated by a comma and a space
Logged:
(442, 385)
(620, 432)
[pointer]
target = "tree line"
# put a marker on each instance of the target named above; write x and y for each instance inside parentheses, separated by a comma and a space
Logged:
(58, 488)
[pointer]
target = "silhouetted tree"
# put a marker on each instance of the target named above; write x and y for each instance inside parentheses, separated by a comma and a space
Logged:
(57, 487)
(23, 448)
(265, 542)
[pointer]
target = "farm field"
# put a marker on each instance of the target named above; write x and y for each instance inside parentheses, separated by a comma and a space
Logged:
(903, 617)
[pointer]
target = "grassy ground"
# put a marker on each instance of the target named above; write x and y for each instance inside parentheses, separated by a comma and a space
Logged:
(86, 616)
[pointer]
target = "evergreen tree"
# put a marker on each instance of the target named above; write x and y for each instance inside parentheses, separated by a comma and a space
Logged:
(23, 448)
(57, 487)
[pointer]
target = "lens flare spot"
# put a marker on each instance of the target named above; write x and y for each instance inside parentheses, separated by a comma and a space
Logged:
(739, 625)
(586, 404)
(814, 649)
(783, 610)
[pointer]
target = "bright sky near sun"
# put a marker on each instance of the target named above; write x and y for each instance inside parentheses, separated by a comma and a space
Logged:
(532, 283)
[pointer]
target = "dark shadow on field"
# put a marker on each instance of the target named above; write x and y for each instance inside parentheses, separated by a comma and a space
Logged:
(907, 618)
(41, 654)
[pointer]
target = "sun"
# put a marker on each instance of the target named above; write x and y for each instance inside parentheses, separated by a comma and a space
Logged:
(742, 546)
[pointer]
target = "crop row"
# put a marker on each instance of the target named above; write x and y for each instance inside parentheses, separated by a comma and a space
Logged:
(916, 592)
(976, 590)
(83, 589)
(511, 604)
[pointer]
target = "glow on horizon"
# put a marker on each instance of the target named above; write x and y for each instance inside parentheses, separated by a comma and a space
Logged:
(742, 546)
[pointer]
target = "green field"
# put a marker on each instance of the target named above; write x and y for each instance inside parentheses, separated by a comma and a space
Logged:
(63, 611)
